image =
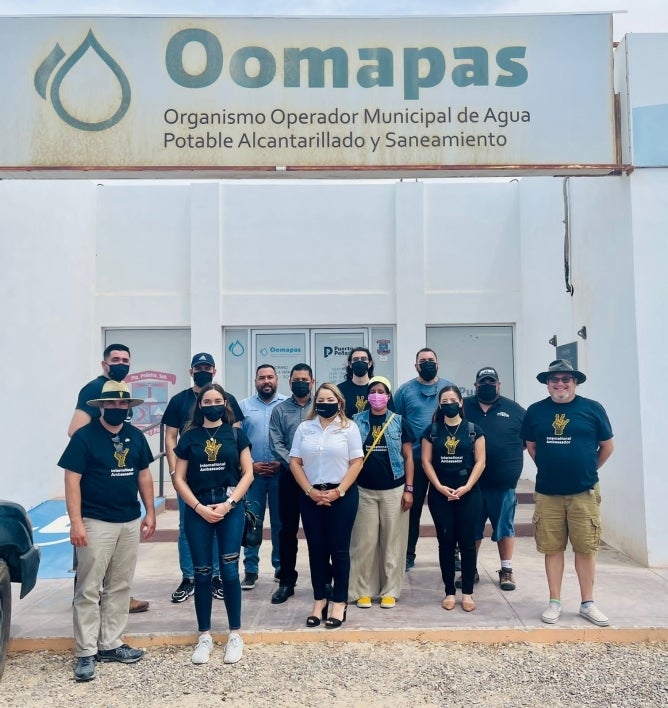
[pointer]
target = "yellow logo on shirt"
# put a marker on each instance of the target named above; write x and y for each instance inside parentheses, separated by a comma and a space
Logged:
(211, 449)
(451, 444)
(560, 422)
(120, 457)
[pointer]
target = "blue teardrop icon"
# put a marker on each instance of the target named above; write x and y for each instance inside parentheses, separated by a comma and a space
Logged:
(89, 43)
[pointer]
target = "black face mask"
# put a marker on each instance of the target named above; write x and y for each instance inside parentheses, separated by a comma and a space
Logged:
(486, 392)
(114, 416)
(359, 368)
(300, 388)
(428, 370)
(214, 413)
(202, 378)
(450, 410)
(327, 410)
(117, 372)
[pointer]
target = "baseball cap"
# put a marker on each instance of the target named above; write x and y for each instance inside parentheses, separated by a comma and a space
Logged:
(487, 372)
(202, 358)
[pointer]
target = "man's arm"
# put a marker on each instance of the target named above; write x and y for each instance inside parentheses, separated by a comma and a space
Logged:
(73, 501)
(531, 449)
(145, 483)
(605, 449)
(276, 443)
(171, 438)
(79, 419)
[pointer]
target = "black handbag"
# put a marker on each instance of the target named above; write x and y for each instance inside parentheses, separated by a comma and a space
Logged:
(252, 535)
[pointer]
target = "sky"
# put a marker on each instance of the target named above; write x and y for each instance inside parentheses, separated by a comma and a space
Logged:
(633, 15)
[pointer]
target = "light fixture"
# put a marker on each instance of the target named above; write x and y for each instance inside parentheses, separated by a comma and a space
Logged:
(582, 332)
(553, 340)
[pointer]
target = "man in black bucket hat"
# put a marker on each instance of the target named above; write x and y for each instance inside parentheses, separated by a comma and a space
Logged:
(569, 437)
(106, 464)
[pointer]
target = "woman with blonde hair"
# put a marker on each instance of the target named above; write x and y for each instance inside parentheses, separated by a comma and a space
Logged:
(325, 459)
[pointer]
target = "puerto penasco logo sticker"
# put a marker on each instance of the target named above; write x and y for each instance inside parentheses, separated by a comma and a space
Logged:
(89, 56)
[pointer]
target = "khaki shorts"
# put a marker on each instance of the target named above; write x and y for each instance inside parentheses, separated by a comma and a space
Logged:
(578, 517)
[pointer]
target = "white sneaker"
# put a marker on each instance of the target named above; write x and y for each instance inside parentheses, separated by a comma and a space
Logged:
(234, 649)
(551, 613)
(594, 615)
(203, 649)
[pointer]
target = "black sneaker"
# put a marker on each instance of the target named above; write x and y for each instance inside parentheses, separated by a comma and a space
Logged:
(184, 591)
(217, 592)
(506, 579)
(249, 581)
(85, 668)
(476, 580)
(125, 654)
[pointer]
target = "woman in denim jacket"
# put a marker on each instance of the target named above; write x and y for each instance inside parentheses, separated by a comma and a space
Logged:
(380, 533)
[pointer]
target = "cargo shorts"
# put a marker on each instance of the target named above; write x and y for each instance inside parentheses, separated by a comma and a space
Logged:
(576, 517)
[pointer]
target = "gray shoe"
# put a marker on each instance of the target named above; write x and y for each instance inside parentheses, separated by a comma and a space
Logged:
(594, 615)
(249, 581)
(85, 668)
(476, 580)
(125, 654)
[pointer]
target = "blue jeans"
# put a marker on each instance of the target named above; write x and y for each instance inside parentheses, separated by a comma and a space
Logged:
(200, 535)
(185, 559)
(264, 488)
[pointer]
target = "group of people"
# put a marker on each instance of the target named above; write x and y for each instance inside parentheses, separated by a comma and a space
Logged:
(355, 462)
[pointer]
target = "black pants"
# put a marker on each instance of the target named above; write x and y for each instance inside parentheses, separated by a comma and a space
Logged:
(328, 530)
(289, 498)
(456, 524)
(420, 487)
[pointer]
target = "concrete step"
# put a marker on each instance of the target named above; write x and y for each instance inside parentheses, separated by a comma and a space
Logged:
(168, 530)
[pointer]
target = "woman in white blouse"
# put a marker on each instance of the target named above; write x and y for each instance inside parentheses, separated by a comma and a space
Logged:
(325, 458)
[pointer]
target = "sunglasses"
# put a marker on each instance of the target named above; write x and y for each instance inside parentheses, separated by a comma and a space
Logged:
(562, 379)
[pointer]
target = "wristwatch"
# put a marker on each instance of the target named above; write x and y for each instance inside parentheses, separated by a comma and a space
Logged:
(341, 492)
(232, 503)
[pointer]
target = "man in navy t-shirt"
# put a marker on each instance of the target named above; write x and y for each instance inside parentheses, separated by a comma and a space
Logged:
(569, 438)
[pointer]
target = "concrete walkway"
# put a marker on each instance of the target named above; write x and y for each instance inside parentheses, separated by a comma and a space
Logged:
(633, 597)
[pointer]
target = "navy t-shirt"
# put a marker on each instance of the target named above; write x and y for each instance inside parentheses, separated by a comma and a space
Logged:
(452, 452)
(567, 437)
(377, 471)
(179, 410)
(109, 471)
(213, 457)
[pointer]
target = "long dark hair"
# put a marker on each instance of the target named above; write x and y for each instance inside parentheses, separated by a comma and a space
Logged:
(349, 368)
(437, 417)
(198, 417)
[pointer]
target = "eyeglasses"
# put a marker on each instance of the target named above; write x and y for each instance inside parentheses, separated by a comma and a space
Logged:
(488, 380)
(360, 358)
(560, 379)
(118, 445)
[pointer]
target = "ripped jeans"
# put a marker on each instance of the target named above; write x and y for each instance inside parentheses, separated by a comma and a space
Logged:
(200, 534)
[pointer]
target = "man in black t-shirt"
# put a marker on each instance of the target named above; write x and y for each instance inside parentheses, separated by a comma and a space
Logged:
(106, 464)
(115, 367)
(175, 418)
(501, 420)
(569, 438)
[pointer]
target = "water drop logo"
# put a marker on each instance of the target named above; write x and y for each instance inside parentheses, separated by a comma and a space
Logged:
(83, 60)
(236, 348)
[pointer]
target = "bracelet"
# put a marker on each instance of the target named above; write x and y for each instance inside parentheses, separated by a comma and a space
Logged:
(408, 488)
(172, 473)
(196, 505)
(308, 491)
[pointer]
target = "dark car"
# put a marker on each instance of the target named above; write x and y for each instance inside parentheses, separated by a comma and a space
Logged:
(19, 562)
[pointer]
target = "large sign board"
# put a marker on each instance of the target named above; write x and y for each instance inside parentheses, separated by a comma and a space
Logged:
(220, 96)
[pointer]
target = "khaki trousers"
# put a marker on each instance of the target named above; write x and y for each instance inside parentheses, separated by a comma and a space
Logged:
(100, 610)
(378, 544)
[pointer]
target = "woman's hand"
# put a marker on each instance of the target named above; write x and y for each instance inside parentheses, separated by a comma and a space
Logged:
(449, 492)
(212, 513)
(460, 491)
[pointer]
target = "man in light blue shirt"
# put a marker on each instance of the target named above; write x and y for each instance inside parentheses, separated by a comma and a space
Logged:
(416, 400)
(257, 411)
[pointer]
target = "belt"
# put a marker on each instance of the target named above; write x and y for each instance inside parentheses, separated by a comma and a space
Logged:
(325, 487)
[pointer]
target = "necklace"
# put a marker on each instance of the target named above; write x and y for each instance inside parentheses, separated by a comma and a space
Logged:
(451, 441)
(215, 430)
